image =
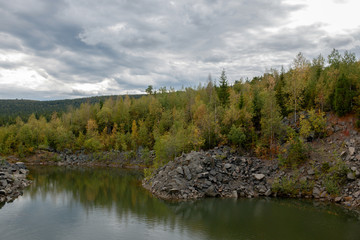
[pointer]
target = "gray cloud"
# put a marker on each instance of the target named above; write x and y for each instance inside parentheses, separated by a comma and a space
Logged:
(163, 43)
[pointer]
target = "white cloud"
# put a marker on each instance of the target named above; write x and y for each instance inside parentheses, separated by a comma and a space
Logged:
(336, 17)
(88, 47)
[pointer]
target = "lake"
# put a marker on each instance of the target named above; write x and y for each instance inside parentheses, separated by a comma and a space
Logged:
(104, 203)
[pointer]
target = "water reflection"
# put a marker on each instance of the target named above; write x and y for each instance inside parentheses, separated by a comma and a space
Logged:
(82, 203)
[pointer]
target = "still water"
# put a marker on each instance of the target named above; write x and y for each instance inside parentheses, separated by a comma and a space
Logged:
(71, 204)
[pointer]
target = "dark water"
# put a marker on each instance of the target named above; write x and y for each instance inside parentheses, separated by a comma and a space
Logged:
(110, 204)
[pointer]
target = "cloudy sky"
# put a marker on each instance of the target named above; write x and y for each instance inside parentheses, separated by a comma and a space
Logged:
(76, 48)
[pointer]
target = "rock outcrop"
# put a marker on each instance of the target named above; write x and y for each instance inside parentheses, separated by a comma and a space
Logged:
(12, 180)
(223, 173)
(214, 173)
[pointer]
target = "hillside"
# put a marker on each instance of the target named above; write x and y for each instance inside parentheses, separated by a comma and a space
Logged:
(12, 108)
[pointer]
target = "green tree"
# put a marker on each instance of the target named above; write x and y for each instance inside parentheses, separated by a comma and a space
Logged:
(257, 105)
(271, 126)
(223, 89)
(334, 59)
(280, 94)
(297, 82)
(343, 96)
(149, 89)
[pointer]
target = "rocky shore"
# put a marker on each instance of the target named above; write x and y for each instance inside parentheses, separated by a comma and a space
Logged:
(221, 172)
(12, 180)
(130, 159)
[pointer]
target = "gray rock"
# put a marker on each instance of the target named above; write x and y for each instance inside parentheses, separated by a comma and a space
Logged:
(213, 172)
(351, 151)
(351, 176)
(259, 176)
(203, 175)
(323, 194)
(337, 128)
(338, 199)
(261, 189)
(316, 192)
(211, 192)
(268, 192)
(227, 165)
(3, 183)
(311, 171)
(20, 164)
(180, 170)
(207, 183)
(187, 173)
(356, 194)
(234, 194)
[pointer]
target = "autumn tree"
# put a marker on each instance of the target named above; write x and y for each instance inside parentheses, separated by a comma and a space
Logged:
(297, 82)
(271, 125)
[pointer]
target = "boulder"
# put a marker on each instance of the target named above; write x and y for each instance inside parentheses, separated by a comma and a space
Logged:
(187, 173)
(351, 176)
(311, 171)
(316, 192)
(179, 170)
(211, 192)
(227, 165)
(259, 176)
(351, 151)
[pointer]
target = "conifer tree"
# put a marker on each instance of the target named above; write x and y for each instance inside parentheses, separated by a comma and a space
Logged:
(343, 96)
(280, 94)
(223, 90)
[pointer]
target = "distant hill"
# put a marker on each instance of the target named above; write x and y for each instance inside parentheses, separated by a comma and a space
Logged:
(12, 108)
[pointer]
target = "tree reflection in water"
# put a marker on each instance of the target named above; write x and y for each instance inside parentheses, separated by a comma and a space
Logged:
(120, 190)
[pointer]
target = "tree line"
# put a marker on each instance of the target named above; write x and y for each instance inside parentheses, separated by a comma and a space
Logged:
(10, 109)
(256, 115)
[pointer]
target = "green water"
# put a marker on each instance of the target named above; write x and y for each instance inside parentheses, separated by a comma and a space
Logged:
(72, 204)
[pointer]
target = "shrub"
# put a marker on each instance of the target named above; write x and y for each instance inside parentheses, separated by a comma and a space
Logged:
(285, 186)
(237, 136)
(314, 126)
(93, 144)
(334, 176)
(148, 172)
(297, 153)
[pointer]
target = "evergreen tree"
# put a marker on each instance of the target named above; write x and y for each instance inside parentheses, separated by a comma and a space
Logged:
(343, 96)
(334, 58)
(256, 105)
(149, 89)
(223, 90)
(280, 95)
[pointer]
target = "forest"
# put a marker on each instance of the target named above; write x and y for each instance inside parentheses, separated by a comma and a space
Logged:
(10, 109)
(283, 106)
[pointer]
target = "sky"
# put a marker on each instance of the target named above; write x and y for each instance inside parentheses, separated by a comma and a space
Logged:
(69, 49)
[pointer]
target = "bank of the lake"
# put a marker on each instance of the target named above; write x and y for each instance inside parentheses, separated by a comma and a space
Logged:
(221, 172)
(71, 202)
(12, 180)
(129, 160)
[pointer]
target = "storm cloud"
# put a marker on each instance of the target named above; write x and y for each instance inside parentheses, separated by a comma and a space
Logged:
(66, 49)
